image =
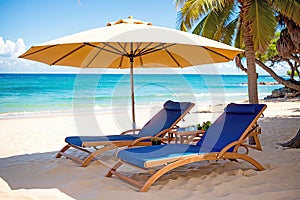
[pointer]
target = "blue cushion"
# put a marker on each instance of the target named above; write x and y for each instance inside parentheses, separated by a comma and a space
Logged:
(138, 156)
(79, 140)
(165, 118)
(178, 106)
(230, 126)
(241, 108)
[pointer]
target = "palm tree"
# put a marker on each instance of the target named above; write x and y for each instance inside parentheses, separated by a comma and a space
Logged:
(282, 49)
(247, 24)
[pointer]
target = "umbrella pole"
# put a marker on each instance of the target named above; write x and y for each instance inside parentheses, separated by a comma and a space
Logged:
(132, 93)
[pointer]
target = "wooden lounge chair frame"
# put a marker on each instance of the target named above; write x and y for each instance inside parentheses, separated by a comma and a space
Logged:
(109, 145)
(253, 130)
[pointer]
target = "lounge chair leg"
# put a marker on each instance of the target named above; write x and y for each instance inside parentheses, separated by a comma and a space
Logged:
(156, 176)
(109, 174)
(253, 162)
(245, 158)
(162, 171)
(93, 155)
(65, 148)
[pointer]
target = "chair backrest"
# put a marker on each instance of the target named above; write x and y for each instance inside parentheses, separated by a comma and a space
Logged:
(233, 125)
(166, 118)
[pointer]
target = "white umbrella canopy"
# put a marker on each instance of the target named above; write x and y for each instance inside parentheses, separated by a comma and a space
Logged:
(130, 44)
(130, 20)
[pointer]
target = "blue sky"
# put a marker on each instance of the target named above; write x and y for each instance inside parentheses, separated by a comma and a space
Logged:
(28, 22)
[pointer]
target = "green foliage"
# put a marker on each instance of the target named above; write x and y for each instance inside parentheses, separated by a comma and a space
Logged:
(206, 125)
(221, 20)
(271, 51)
(289, 72)
(288, 8)
(229, 32)
(198, 29)
(239, 40)
(263, 23)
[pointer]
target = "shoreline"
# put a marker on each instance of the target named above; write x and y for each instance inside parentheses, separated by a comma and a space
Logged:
(121, 109)
(56, 113)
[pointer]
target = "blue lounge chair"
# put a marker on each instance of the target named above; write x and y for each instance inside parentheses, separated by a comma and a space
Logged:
(164, 121)
(221, 141)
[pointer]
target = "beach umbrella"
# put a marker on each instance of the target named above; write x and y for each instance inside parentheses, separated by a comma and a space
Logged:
(131, 43)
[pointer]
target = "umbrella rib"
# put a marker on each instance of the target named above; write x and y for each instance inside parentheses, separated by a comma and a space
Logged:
(150, 50)
(141, 60)
(154, 49)
(47, 47)
(131, 47)
(137, 47)
(121, 60)
(215, 52)
(114, 48)
(172, 57)
(149, 44)
(66, 55)
(87, 66)
(102, 48)
(123, 47)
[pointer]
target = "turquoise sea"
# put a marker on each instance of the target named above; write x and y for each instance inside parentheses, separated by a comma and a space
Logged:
(23, 94)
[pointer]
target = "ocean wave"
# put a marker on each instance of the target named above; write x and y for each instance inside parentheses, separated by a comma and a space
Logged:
(235, 94)
(25, 114)
(53, 113)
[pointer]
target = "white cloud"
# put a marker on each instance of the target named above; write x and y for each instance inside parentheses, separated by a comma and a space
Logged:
(4, 62)
(9, 61)
(10, 48)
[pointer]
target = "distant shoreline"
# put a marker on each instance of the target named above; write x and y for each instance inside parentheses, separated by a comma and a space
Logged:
(138, 73)
(264, 83)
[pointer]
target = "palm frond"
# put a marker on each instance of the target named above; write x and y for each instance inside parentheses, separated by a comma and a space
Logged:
(193, 10)
(198, 29)
(262, 23)
(231, 24)
(229, 31)
(211, 25)
(288, 8)
(180, 3)
(180, 22)
(239, 39)
(216, 21)
(224, 18)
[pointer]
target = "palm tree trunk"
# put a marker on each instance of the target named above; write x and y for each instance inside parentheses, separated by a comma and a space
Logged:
(250, 56)
(294, 142)
(251, 68)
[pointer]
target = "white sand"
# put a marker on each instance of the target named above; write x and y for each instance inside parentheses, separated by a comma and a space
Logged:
(29, 170)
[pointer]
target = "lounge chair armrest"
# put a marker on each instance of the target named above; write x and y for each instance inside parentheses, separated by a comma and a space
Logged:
(151, 137)
(163, 132)
(232, 144)
(145, 138)
(128, 131)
